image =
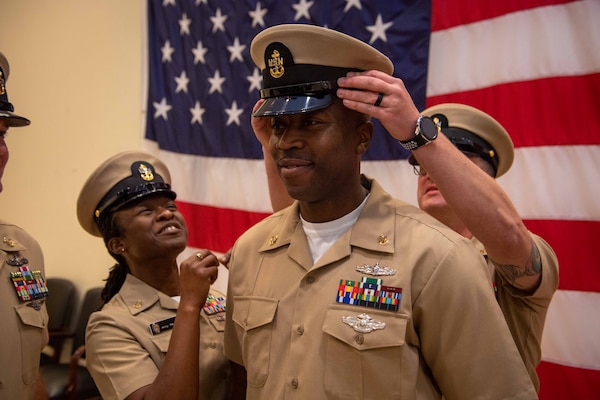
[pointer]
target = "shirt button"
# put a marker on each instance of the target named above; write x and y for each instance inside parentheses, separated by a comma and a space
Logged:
(360, 339)
(213, 345)
(300, 330)
(294, 383)
(310, 279)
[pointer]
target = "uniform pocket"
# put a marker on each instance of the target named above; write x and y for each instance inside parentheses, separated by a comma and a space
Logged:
(33, 322)
(161, 341)
(362, 365)
(217, 321)
(254, 316)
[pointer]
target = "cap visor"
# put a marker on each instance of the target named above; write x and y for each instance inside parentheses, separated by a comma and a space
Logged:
(14, 120)
(285, 105)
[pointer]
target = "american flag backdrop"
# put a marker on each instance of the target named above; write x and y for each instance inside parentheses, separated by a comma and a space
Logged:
(532, 64)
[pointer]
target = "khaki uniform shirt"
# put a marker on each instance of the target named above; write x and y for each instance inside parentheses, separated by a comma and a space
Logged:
(525, 313)
(23, 325)
(447, 338)
(124, 355)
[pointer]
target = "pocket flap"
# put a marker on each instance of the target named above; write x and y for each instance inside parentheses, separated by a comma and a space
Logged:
(251, 312)
(30, 316)
(217, 321)
(162, 341)
(393, 334)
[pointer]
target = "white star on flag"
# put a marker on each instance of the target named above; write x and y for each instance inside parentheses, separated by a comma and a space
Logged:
(161, 109)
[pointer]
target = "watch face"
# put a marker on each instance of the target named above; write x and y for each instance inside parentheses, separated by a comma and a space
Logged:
(429, 128)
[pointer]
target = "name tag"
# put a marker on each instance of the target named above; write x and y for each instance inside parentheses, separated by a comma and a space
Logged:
(161, 326)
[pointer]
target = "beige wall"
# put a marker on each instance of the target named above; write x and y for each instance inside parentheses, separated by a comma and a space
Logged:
(76, 72)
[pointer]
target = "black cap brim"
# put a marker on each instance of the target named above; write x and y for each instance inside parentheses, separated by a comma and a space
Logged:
(14, 120)
(469, 144)
(285, 105)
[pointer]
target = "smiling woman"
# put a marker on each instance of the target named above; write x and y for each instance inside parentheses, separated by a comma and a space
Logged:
(150, 304)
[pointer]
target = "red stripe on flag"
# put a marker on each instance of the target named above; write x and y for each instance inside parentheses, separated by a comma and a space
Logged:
(447, 14)
(216, 228)
(574, 243)
(559, 382)
(533, 115)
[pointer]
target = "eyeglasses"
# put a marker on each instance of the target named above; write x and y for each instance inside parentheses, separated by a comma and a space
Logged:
(482, 163)
(418, 170)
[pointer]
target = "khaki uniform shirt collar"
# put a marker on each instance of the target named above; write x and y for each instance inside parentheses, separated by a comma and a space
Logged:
(139, 296)
(372, 231)
(8, 245)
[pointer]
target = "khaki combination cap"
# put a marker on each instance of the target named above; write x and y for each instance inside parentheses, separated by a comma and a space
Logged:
(300, 65)
(475, 132)
(118, 181)
(6, 108)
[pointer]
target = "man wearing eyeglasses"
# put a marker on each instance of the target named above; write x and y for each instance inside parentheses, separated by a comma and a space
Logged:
(462, 193)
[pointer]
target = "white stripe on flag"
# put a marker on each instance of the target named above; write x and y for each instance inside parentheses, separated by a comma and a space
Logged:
(240, 184)
(232, 183)
(549, 40)
(571, 330)
(562, 190)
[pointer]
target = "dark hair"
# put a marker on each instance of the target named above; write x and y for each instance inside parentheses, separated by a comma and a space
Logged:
(116, 276)
(362, 117)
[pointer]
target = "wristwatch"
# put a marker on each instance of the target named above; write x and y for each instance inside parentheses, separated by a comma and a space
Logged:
(427, 130)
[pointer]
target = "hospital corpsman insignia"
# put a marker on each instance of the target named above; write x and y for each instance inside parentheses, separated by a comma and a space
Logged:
(145, 173)
(276, 65)
(363, 323)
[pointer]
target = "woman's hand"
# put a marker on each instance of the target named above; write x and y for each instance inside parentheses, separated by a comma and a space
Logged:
(196, 274)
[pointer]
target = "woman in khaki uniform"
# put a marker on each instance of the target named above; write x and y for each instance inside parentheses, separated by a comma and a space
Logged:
(151, 305)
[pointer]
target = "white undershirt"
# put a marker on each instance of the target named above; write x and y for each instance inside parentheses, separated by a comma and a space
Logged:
(321, 236)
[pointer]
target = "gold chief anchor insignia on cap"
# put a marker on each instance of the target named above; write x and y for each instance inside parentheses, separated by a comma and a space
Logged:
(145, 173)
(276, 68)
(363, 323)
(2, 84)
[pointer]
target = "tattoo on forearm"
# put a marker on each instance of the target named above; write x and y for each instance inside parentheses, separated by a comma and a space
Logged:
(533, 267)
